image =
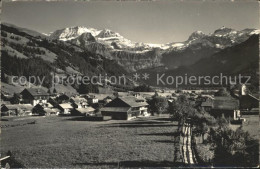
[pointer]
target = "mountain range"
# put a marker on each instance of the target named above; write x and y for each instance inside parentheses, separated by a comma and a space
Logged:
(135, 56)
(83, 50)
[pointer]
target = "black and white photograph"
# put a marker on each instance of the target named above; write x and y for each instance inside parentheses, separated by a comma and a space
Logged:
(129, 84)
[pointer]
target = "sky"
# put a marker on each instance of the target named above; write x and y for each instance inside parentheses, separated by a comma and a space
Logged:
(156, 22)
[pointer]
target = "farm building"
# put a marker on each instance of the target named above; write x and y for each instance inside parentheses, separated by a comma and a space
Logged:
(51, 111)
(88, 111)
(9, 110)
(16, 110)
(92, 99)
(34, 96)
(124, 108)
(63, 98)
(224, 106)
(207, 105)
(248, 102)
(65, 108)
(44, 110)
(79, 102)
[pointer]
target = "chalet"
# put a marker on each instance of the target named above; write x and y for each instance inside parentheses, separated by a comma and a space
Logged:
(6, 96)
(248, 102)
(79, 102)
(44, 110)
(65, 108)
(225, 106)
(38, 110)
(88, 111)
(16, 110)
(9, 110)
(34, 96)
(103, 98)
(25, 109)
(5, 103)
(51, 111)
(124, 108)
(207, 105)
(108, 99)
(63, 98)
(92, 99)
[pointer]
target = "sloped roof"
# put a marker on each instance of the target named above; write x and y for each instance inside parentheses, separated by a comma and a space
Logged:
(132, 101)
(123, 94)
(48, 110)
(225, 103)
(20, 106)
(206, 104)
(78, 99)
(26, 106)
(101, 96)
(12, 106)
(254, 97)
(55, 109)
(86, 110)
(115, 109)
(65, 106)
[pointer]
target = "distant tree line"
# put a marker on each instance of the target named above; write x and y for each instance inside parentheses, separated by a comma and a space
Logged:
(143, 88)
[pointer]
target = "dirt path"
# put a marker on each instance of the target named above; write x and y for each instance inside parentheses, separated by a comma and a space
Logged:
(186, 146)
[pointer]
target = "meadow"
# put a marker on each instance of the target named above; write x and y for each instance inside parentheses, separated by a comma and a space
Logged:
(74, 142)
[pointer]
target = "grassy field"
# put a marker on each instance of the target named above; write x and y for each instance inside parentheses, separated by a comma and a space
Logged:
(74, 142)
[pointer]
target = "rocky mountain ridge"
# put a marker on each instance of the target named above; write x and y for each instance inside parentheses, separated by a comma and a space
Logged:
(135, 56)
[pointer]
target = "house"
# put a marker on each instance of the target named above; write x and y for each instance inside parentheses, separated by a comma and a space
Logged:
(34, 96)
(25, 109)
(44, 110)
(16, 110)
(103, 98)
(108, 99)
(5, 103)
(9, 110)
(248, 102)
(63, 98)
(51, 111)
(92, 99)
(207, 105)
(124, 108)
(38, 110)
(224, 106)
(79, 102)
(88, 111)
(65, 108)
(6, 96)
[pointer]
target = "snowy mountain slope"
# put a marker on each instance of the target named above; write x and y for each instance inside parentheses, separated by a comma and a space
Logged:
(137, 55)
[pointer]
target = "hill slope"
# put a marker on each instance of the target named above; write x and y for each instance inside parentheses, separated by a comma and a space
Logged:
(24, 54)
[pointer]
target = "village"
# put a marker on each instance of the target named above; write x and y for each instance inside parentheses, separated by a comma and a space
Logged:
(123, 105)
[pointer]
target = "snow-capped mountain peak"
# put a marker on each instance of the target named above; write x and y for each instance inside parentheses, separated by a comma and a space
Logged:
(196, 35)
(223, 31)
(107, 33)
(73, 32)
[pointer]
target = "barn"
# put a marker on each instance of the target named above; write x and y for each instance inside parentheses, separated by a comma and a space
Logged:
(124, 108)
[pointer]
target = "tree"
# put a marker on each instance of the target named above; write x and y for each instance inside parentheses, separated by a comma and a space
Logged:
(222, 92)
(233, 148)
(181, 109)
(143, 88)
(54, 91)
(158, 105)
